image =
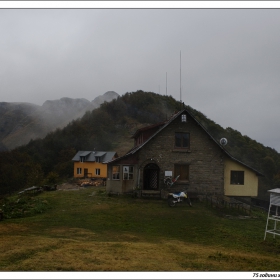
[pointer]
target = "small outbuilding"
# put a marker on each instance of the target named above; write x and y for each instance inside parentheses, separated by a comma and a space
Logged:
(92, 163)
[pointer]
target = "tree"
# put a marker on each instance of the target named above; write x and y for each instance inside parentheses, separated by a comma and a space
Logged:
(34, 175)
(52, 178)
(268, 166)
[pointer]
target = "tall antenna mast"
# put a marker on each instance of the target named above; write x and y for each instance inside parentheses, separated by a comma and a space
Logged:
(180, 81)
(166, 83)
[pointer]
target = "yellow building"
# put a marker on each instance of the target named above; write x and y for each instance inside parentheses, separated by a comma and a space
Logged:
(92, 164)
(239, 179)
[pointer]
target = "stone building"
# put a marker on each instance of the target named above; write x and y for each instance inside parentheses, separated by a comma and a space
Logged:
(180, 147)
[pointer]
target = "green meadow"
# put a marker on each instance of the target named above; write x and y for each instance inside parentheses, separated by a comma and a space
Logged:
(87, 230)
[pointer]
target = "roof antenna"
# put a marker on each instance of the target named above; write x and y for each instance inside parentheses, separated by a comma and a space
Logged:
(180, 83)
(166, 83)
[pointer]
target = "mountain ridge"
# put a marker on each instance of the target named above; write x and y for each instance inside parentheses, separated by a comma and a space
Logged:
(22, 121)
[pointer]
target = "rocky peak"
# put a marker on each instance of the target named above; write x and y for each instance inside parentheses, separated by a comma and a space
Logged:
(107, 96)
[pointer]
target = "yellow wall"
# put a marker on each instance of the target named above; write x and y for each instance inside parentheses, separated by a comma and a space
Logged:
(250, 187)
(91, 166)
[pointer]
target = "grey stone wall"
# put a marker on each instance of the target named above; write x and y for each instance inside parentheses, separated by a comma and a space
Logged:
(205, 158)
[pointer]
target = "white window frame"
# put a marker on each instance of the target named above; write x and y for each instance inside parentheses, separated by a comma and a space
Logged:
(128, 172)
(184, 118)
(79, 170)
(97, 171)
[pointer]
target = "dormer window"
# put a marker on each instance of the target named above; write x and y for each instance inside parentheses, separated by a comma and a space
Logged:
(82, 159)
(97, 159)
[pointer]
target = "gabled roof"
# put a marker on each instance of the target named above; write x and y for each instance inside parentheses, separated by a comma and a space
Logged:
(185, 110)
(92, 155)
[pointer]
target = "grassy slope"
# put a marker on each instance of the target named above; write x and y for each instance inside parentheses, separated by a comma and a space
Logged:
(88, 231)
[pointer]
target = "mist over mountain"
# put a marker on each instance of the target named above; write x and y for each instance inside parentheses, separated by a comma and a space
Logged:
(21, 122)
(58, 113)
(107, 96)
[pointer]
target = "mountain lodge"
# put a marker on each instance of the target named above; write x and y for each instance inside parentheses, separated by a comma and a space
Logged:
(180, 146)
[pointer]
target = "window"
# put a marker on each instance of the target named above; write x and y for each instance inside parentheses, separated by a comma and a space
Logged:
(97, 171)
(79, 170)
(97, 159)
(184, 118)
(237, 177)
(182, 170)
(116, 172)
(128, 172)
(182, 140)
(82, 159)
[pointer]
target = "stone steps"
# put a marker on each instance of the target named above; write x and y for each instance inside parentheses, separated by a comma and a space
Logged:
(150, 193)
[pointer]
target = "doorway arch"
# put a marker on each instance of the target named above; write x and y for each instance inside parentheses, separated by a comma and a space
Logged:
(151, 177)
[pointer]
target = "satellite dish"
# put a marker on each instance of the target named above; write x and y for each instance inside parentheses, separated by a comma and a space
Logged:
(223, 141)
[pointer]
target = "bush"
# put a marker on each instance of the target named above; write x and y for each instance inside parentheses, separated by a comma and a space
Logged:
(26, 205)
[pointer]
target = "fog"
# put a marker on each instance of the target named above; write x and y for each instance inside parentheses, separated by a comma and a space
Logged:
(229, 71)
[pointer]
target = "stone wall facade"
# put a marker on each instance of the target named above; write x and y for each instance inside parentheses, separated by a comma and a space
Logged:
(204, 157)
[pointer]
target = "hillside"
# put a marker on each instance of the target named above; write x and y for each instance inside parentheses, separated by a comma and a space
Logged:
(13, 118)
(21, 122)
(110, 127)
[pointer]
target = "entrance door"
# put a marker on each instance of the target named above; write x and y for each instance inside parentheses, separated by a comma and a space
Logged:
(151, 177)
(86, 172)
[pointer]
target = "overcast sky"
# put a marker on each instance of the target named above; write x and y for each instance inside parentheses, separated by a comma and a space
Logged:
(230, 59)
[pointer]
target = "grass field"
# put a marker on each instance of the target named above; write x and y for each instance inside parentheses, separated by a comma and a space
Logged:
(86, 230)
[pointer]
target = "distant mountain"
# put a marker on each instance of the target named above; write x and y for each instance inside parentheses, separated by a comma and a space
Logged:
(58, 113)
(14, 119)
(21, 122)
(107, 96)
